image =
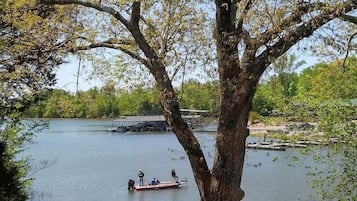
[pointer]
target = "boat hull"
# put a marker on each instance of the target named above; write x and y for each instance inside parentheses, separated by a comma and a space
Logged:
(162, 185)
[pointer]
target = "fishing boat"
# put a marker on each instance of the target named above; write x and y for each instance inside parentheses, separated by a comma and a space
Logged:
(161, 185)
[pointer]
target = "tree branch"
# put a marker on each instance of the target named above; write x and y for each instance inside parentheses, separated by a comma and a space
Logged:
(350, 18)
(348, 50)
(285, 43)
(243, 15)
(293, 19)
(97, 6)
(288, 39)
(112, 44)
(135, 14)
(139, 38)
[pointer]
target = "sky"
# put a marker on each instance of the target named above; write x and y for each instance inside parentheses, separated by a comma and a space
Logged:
(67, 78)
(67, 75)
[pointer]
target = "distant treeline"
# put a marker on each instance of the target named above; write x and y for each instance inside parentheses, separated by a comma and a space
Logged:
(281, 93)
(109, 102)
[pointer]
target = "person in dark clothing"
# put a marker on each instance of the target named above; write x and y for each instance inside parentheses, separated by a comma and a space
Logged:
(141, 177)
(173, 174)
(153, 181)
(131, 184)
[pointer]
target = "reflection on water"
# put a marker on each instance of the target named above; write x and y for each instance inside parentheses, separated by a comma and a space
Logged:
(92, 164)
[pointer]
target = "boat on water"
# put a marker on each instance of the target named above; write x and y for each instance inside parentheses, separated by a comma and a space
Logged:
(161, 185)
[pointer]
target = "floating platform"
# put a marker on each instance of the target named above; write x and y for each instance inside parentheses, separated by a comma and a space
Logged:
(265, 147)
(149, 123)
(274, 146)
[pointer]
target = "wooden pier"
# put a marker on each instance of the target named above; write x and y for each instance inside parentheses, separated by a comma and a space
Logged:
(264, 147)
(274, 146)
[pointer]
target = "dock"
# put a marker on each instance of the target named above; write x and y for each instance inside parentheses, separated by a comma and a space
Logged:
(274, 145)
(149, 123)
(265, 147)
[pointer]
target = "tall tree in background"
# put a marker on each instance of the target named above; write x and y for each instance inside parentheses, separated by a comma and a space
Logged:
(168, 37)
(280, 85)
(329, 81)
(29, 51)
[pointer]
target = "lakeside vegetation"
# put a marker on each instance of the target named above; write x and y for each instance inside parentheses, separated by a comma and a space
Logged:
(282, 94)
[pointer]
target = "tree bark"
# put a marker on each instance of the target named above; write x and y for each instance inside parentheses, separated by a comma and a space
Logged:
(237, 91)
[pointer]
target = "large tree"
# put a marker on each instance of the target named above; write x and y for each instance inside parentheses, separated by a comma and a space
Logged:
(249, 36)
(29, 51)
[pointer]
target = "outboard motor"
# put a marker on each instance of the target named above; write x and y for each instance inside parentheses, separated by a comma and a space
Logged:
(131, 184)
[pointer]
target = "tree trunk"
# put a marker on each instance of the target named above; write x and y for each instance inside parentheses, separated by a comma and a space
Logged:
(184, 135)
(236, 102)
(229, 156)
(237, 90)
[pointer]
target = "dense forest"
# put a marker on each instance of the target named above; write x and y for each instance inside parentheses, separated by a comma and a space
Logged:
(281, 93)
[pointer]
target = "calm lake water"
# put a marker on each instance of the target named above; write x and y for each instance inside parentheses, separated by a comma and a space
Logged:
(89, 164)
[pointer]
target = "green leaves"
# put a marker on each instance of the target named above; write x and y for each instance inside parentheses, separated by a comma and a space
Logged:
(14, 136)
(287, 92)
(196, 95)
(31, 46)
(334, 175)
